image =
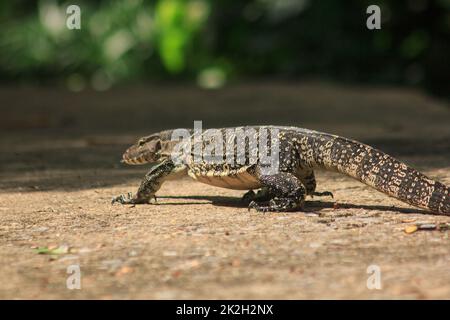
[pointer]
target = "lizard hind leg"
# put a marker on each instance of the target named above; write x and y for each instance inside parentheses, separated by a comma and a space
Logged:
(286, 191)
(308, 179)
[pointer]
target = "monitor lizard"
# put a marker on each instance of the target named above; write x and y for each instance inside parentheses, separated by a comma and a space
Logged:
(300, 152)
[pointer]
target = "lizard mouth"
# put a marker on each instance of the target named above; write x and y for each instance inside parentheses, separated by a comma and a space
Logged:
(134, 156)
(134, 161)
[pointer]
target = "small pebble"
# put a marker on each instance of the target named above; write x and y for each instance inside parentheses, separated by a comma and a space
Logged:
(411, 229)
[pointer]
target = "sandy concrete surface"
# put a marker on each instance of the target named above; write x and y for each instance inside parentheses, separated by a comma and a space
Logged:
(59, 169)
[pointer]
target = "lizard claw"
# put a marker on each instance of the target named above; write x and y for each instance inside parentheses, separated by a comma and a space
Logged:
(258, 207)
(129, 199)
(322, 194)
(122, 199)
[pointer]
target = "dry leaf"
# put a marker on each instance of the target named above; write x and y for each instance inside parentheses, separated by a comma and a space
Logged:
(411, 229)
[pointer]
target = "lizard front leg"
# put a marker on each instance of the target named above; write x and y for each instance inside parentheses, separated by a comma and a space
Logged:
(286, 190)
(151, 183)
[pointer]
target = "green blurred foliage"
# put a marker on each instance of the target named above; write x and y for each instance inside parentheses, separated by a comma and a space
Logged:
(177, 22)
(211, 42)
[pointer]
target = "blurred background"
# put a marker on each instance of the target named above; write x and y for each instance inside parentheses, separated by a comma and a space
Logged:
(214, 43)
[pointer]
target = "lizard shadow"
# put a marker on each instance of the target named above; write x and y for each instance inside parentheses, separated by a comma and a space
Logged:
(222, 201)
(332, 205)
(310, 206)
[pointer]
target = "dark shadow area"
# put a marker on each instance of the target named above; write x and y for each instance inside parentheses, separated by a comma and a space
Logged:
(310, 206)
(221, 201)
(314, 205)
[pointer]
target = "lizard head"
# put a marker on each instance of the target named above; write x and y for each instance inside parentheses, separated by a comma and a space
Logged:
(150, 149)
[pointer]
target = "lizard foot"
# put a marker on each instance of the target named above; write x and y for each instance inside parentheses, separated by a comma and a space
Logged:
(261, 195)
(322, 194)
(130, 199)
(276, 205)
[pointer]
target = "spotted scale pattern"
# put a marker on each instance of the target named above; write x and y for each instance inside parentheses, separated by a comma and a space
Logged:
(374, 168)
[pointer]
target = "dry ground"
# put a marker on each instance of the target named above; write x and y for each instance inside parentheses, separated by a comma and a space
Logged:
(59, 170)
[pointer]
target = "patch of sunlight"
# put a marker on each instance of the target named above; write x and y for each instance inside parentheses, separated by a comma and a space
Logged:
(52, 17)
(117, 44)
(279, 10)
(211, 78)
(197, 13)
(144, 26)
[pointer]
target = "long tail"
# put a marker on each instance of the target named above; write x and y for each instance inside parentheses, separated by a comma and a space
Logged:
(378, 170)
